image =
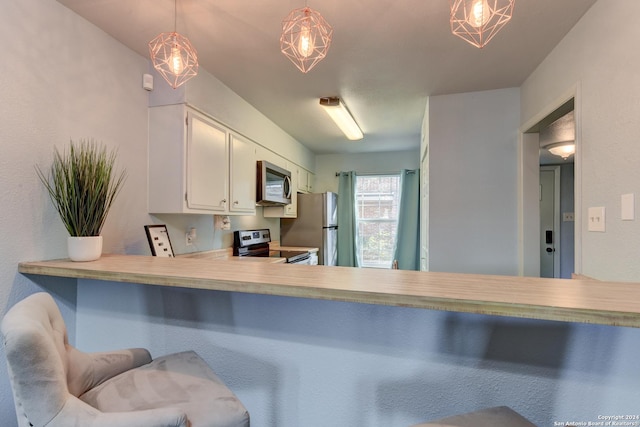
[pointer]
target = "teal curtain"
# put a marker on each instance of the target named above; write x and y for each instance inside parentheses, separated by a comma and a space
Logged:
(407, 251)
(347, 230)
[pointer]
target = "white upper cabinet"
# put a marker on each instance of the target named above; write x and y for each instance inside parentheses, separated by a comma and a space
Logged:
(243, 175)
(207, 171)
(197, 165)
(305, 180)
(303, 177)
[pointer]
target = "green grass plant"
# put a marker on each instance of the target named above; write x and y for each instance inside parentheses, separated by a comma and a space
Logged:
(83, 184)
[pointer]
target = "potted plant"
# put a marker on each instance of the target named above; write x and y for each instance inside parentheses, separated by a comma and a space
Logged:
(82, 185)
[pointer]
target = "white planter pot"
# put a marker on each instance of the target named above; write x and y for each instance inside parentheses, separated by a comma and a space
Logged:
(84, 248)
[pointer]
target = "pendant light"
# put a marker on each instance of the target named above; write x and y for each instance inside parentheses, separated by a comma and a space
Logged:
(306, 38)
(173, 55)
(477, 21)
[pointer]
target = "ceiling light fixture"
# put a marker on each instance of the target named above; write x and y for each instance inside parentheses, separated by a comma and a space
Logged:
(477, 21)
(306, 38)
(173, 55)
(563, 149)
(336, 109)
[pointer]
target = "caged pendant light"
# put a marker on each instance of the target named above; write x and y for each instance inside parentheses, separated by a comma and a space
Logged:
(173, 56)
(306, 38)
(478, 21)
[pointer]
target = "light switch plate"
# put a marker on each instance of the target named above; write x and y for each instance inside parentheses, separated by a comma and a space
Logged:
(627, 207)
(596, 219)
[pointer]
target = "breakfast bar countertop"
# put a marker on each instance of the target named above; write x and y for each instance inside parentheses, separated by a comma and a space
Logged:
(226, 255)
(578, 300)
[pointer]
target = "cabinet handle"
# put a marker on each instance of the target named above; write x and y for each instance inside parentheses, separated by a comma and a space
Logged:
(236, 202)
(223, 201)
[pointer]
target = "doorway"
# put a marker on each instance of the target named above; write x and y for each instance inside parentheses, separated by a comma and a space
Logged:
(548, 187)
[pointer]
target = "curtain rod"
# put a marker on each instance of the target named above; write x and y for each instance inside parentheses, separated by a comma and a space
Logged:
(410, 171)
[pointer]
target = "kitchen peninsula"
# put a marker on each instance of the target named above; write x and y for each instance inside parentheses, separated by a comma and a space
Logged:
(586, 301)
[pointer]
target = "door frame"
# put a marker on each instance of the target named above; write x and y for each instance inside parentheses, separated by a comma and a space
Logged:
(528, 240)
(556, 217)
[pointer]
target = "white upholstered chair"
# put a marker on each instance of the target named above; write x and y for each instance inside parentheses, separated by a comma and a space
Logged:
(56, 385)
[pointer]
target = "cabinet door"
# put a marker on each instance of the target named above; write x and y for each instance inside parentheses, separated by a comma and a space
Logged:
(310, 178)
(207, 164)
(243, 175)
(303, 176)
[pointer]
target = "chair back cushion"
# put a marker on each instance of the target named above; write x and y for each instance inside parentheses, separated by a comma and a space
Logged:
(35, 340)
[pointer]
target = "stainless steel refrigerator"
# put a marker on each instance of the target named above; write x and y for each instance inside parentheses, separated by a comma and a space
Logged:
(316, 226)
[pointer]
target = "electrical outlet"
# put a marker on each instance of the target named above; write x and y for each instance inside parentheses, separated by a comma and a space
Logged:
(222, 222)
(190, 236)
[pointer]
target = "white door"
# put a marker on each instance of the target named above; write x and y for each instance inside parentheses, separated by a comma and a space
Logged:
(550, 221)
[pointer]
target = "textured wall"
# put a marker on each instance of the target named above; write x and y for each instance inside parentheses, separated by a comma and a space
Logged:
(300, 362)
(472, 182)
(59, 80)
(598, 56)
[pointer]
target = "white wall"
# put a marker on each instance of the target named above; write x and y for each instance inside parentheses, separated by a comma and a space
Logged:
(328, 164)
(473, 182)
(61, 79)
(598, 56)
(303, 362)
(567, 228)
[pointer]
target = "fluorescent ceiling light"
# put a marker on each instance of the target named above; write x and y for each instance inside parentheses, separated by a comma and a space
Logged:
(336, 109)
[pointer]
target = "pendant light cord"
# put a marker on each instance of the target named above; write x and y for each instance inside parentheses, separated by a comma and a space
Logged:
(175, 16)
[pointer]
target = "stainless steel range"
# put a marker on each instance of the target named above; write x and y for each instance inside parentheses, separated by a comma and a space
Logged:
(256, 243)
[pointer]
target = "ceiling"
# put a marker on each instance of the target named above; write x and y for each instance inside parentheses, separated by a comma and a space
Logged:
(385, 59)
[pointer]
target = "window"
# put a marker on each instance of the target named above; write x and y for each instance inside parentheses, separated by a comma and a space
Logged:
(377, 204)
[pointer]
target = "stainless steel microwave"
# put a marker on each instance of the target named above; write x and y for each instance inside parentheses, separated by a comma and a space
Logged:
(274, 185)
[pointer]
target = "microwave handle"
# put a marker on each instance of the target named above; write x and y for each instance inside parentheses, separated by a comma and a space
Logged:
(287, 187)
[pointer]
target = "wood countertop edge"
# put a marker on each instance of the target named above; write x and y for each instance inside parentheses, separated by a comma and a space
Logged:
(494, 308)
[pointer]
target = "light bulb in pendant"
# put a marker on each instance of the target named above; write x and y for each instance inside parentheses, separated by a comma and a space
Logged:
(177, 66)
(305, 43)
(479, 13)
